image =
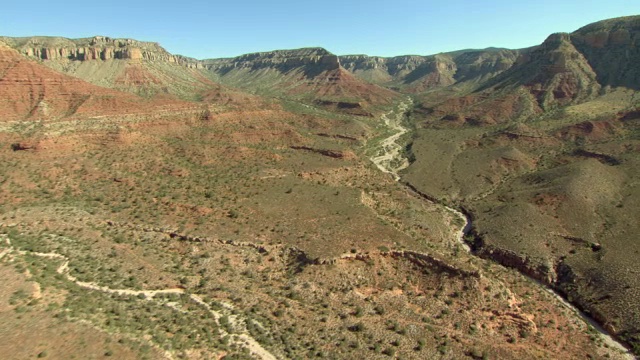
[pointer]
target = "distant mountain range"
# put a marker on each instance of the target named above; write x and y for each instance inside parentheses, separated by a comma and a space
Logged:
(565, 68)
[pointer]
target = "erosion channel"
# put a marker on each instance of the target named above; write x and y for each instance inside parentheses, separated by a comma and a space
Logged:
(389, 158)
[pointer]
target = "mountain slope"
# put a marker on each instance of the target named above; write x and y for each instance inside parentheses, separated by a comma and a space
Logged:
(139, 67)
(553, 75)
(31, 91)
(556, 73)
(611, 47)
(309, 74)
(415, 74)
(544, 159)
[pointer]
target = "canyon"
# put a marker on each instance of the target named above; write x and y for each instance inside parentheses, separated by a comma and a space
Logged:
(418, 206)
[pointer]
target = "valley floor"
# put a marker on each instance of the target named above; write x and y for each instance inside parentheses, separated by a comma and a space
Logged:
(252, 235)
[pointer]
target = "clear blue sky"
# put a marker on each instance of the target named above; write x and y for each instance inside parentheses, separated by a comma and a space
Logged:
(209, 29)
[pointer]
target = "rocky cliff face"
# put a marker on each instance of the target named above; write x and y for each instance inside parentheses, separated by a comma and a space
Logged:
(380, 69)
(310, 73)
(556, 73)
(282, 60)
(142, 68)
(419, 73)
(571, 68)
(566, 69)
(31, 91)
(611, 47)
(483, 64)
(96, 48)
(551, 75)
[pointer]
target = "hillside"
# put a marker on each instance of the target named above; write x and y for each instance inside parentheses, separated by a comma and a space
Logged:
(311, 74)
(297, 204)
(142, 68)
(610, 47)
(30, 91)
(415, 74)
(543, 157)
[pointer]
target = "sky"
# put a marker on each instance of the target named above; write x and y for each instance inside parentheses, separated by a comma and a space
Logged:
(214, 29)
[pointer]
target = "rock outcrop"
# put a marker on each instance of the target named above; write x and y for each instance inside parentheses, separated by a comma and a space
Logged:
(482, 65)
(555, 73)
(31, 91)
(380, 69)
(611, 47)
(549, 76)
(419, 73)
(317, 59)
(142, 68)
(426, 260)
(309, 73)
(96, 48)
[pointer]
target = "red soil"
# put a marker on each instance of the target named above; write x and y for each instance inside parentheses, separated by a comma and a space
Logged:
(30, 91)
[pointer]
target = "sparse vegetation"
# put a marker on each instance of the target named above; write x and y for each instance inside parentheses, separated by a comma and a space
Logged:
(268, 232)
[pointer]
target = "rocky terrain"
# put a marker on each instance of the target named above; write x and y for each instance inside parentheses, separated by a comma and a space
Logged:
(30, 91)
(543, 158)
(142, 68)
(296, 204)
(609, 46)
(415, 74)
(95, 48)
(311, 74)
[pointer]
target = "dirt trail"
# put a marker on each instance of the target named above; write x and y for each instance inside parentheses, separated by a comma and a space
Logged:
(241, 338)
